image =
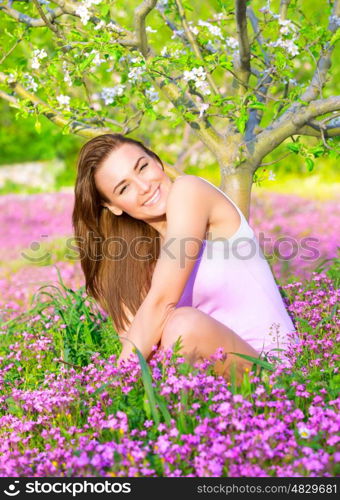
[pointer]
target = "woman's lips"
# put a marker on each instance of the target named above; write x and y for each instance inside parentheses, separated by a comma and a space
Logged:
(154, 198)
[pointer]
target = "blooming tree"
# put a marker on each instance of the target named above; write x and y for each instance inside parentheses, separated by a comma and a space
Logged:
(245, 79)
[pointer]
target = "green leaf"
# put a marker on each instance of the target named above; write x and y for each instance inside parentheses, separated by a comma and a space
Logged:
(87, 62)
(257, 361)
(105, 9)
(164, 409)
(310, 164)
(37, 126)
(335, 37)
(295, 148)
(147, 382)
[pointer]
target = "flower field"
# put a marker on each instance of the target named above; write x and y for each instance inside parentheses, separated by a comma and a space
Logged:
(67, 410)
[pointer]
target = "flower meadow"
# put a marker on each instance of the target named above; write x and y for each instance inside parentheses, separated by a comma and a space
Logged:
(67, 410)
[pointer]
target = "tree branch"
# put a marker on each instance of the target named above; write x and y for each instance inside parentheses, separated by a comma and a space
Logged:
(47, 21)
(284, 4)
(31, 21)
(57, 118)
(66, 7)
(140, 14)
(9, 52)
(242, 34)
(317, 128)
(194, 44)
(9, 98)
(324, 63)
(264, 81)
(289, 124)
(70, 8)
(201, 126)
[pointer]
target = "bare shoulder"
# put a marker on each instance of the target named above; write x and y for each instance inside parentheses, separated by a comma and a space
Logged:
(204, 200)
(188, 180)
(189, 185)
(188, 207)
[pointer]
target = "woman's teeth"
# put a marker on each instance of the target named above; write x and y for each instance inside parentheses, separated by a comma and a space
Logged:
(154, 199)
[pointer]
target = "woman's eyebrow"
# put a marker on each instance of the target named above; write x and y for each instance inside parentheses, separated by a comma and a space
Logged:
(124, 180)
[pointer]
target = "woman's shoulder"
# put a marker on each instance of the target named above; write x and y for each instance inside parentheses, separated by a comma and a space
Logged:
(188, 194)
(198, 189)
(192, 183)
(186, 187)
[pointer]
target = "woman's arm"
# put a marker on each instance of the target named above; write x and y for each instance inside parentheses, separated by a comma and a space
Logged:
(188, 210)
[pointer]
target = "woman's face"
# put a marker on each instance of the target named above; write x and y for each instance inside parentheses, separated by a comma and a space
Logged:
(134, 182)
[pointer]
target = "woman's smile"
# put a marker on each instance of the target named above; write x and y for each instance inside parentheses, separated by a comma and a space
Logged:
(154, 199)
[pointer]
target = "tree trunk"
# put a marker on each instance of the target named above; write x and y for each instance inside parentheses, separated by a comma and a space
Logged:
(237, 186)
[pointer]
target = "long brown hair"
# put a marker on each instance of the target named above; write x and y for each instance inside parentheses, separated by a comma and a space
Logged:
(121, 283)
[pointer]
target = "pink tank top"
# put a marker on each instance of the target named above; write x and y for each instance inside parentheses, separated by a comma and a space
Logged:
(232, 282)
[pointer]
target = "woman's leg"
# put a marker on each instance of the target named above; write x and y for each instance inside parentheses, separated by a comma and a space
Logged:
(202, 335)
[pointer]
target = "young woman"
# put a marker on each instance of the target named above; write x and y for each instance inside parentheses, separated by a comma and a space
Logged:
(172, 258)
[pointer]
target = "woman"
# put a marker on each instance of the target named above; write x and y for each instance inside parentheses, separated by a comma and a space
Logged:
(147, 259)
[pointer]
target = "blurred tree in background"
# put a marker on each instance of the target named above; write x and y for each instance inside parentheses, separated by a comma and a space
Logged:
(238, 83)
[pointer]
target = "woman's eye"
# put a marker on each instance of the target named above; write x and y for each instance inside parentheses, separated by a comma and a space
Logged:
(123, 189)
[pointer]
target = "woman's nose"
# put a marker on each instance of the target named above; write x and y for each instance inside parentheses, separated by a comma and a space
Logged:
(143, 185)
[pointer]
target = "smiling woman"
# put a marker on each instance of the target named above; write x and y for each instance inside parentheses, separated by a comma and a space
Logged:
(109, 193)
(160, 284)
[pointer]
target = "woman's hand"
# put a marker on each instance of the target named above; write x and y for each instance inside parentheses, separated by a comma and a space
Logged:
(146, 328)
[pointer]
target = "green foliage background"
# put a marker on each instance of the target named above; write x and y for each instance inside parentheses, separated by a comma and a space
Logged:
(26, 138)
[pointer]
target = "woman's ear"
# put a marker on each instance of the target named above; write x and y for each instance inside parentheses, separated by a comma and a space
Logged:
(114, 210)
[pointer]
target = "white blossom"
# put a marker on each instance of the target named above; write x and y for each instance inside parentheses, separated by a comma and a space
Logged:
(287, 45)
(164, 51)
(108, 94)
(194, 30)
(35, 64)
(97, 59)
(203, 86)
(11, 78)
(203, 107)
(83, 12)
(161, 4)
(37, 55)
(135, 73)
(89, 3)
(31, 83)
(177, 33)
(63, 100)
(214, 30)
(335, 20)
(114, 27)
(67, 77)
(150, 30)
(178, 52)
(286, 26)
(231, 42)
(272, 176)
(138, 59)
(198, 75)
(194, 74)
(265, 10)
(152, 94)
(100, 25)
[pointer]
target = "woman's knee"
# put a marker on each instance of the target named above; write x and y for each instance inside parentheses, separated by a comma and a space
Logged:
(181, 322)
